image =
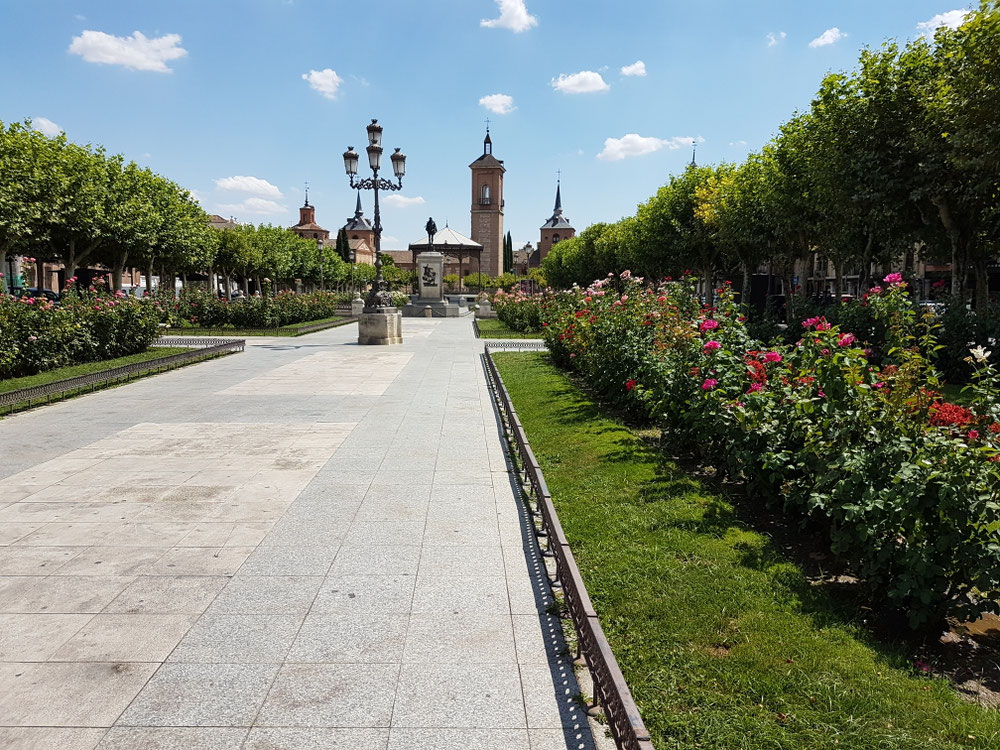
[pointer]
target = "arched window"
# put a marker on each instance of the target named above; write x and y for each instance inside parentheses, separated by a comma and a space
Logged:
(485, 195)
(354, 237)
(555, 238)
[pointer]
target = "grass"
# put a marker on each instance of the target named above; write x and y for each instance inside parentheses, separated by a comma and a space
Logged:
(490, 328)
(289, 330)
(72, 371)
(62, 373)
(723, 640)
(954, 394)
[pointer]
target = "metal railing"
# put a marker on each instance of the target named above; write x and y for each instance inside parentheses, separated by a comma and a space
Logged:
(290, 330)
(504, 343)
(26, 396)
(611, 693)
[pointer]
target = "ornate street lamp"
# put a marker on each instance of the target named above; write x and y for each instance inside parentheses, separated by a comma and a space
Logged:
(319, 248)
(379, 298)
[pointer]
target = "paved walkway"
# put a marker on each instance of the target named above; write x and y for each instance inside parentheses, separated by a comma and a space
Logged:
(310, 545)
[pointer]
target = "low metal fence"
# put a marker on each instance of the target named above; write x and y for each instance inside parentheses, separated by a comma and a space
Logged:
(292, 330)
(611, 692)
(206, 349)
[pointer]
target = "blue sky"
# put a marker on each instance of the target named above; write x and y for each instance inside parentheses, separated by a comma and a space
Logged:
(242, 101)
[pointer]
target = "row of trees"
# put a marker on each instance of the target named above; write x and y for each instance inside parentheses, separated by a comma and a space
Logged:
(901, 155)
(61, 202)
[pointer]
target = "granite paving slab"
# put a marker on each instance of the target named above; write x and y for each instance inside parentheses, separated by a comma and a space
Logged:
(311, 546)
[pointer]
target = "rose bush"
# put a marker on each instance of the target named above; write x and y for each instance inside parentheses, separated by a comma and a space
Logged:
(88, 325)
(518, 311)
(906, 485)
(199, 308)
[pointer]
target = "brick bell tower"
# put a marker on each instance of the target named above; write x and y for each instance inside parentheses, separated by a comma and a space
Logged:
(487, 207)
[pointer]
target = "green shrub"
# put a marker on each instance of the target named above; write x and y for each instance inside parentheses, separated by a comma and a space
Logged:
(906, 485)
(88, 325)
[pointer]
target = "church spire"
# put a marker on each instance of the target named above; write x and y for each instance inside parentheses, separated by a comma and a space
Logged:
(306, 204)
(358, 212)
(694, 153)
(557, 211)
(487, 141)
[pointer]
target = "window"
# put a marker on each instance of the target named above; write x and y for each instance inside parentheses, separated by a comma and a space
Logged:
(555, 238)
(484, 198)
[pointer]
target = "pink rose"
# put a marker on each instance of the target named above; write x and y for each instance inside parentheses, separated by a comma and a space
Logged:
(709, 325)
(710, 345)
(772, 357)
(893, 278)
(846, 339)
(709, 384)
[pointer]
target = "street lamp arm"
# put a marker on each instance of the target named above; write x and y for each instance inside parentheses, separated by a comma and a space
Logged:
(371, 183)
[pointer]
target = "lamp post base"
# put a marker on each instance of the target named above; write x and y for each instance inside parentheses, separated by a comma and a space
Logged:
(380, 326)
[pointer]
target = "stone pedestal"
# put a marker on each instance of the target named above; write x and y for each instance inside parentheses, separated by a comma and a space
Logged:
(430, 276)
(383, 325)
(357, 305)
(430, 302)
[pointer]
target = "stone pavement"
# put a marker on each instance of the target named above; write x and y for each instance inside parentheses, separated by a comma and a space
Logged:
(310, 545)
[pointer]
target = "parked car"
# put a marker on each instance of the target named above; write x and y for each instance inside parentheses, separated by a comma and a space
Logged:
(26, 291)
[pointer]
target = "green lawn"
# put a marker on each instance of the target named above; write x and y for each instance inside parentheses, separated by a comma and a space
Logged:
(490, 328)
(61, 373)
(723, 641)
(954, 394)
(294, 329)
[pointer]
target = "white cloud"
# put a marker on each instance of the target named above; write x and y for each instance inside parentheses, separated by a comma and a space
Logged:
(633, 144)
(45, 126)
(80, 17)
(513, 16)
(584, 82)
(952, 19)
(252, 206)
(402, 201)
(738, 143)
(774, 37)
(638, 68)
(325, 81)
(250, 185)
(501, 104)
(828, 37)
(136, 52)
(391, 243)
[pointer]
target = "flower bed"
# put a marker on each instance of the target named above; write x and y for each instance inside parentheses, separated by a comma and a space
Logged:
(200, 308)
(906, 485)
(519, 311)
(87, 326)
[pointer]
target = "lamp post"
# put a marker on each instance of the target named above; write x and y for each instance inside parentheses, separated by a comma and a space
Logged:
(319, 249)
(379, 298)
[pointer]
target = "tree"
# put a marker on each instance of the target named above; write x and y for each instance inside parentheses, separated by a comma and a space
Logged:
(508, 254)
(343, 247)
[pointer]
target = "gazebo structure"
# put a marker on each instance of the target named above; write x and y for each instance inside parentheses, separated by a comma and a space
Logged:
(454, 246)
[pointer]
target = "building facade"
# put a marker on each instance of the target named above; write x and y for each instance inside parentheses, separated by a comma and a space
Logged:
(307, 226)
(556, 229)
(487, 207)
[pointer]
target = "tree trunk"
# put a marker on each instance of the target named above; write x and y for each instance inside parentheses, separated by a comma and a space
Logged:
(149, 277)
(229, 285)
(184, 279)
(982, 285)
(865, 272)
(838, 281)
(117, 269)
(246, 286)
(788, 281)
(745, 289)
